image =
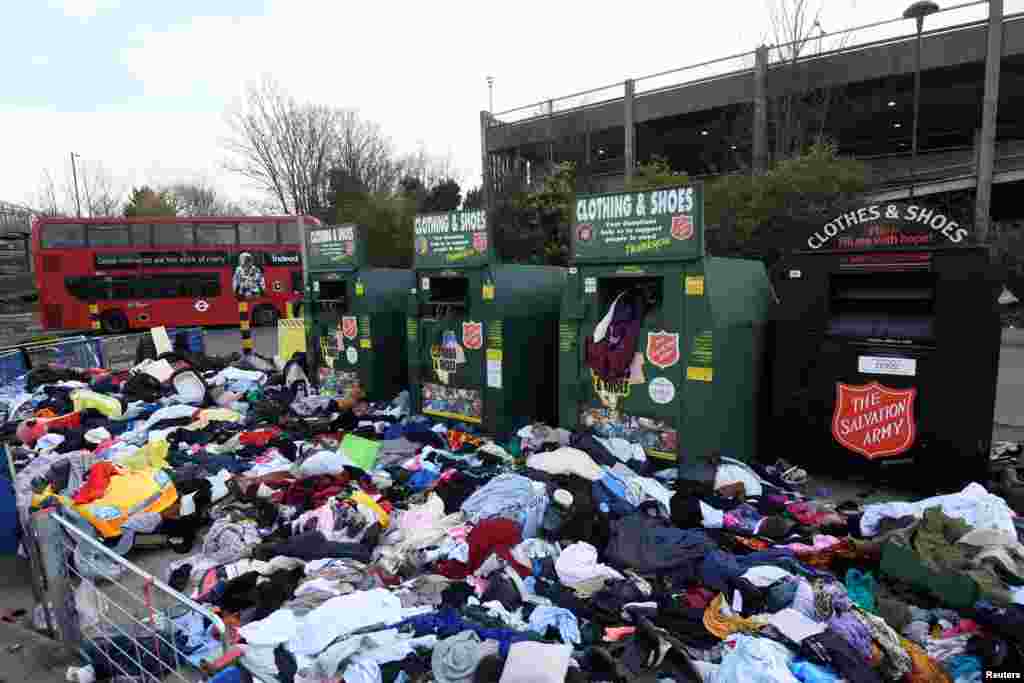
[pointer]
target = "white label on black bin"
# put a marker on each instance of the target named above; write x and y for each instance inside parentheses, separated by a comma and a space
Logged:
(880, 365)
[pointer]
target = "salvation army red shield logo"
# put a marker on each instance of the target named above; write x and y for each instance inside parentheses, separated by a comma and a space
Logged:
(682, 227)
(584, 232)
(663, 349)
(350, 247)
(874, 420)
(473, 335)
(349, 327)
(480, 241)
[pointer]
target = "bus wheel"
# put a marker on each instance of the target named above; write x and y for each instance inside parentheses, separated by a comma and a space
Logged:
(265, 316)
(114, 322)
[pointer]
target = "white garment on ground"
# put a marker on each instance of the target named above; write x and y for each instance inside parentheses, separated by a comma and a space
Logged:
(578, 563)
(324, 462)
(566, 461)
(280, 627)
(362, 670)
(765, 575)
(342, 615)
(732, 471)
(219, 485)
(974, 505)
(231, 374)
(275, 463)
(322, 585)
(795, 625)
(625, 451)
(711, 518)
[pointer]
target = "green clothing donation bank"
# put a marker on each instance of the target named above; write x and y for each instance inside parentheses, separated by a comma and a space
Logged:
(355, 314)
(481, 334)
(660, 344)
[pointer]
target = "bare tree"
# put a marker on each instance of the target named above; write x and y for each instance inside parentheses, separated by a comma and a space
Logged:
(366, 156)
(800, 119)
(103, 195)
(46, 198)
(201, 198)
(284, 146)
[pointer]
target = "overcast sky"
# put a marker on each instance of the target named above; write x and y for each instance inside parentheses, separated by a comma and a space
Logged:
(141, 86)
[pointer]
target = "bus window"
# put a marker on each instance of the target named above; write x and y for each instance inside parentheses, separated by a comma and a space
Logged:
(215, 235)
(201, 285)
(257, 233)
(289, 232)
(61, 235)
(109, 236)
(142, 234)
(173, 234)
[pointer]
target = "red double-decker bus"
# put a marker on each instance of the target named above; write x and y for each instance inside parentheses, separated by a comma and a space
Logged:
(145, 272)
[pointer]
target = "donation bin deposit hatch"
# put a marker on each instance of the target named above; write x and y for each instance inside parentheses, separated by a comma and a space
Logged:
(886, 339)
(481, 334)
(355, 314)
(660, 344)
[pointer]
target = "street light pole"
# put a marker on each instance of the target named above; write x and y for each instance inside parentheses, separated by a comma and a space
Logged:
(917, 11)
(490, 94)
(74, 176)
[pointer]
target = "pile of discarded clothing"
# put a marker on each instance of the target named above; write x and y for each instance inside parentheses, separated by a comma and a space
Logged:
(340, 540)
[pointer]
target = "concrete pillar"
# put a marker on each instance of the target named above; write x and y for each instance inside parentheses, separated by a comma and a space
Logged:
(760, 155)
(630, 128)
(990, 110)
(551, 133)
(485, 161)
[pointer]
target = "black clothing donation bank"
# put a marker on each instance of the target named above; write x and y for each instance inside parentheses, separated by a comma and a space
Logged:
(887, 341)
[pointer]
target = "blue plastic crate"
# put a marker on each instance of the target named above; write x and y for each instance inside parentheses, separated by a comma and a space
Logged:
(13, 364)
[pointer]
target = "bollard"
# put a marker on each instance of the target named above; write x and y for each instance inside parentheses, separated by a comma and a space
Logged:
(243, 327)
(94, 317)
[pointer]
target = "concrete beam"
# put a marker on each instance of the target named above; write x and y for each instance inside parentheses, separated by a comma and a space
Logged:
(954, 48)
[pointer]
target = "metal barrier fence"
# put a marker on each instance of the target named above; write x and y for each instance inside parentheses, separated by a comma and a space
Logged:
(118, 617)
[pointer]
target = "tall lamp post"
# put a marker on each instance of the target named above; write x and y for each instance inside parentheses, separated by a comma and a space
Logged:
(918, 11)
(74, 176)
(490, 94)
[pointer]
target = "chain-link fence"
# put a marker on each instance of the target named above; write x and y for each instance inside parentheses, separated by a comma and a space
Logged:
(122, 621)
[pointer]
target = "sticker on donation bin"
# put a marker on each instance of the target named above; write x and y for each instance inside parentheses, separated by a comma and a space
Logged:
(663, 349)
(278, 286)
(494, 368)
(349, 326)
(351, 355)
(658, 437)
(661, 390)
(456, 403)
(874, 420)
(590, 285)
(202, 305)
(425, 284)
(447, 356)
(879, 365)
(473, 335)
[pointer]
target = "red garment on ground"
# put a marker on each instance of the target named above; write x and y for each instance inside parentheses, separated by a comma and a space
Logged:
(489, 537)
(260, 437)
(96, 483)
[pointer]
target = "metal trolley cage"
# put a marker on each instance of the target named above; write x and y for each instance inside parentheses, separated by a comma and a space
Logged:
(110, 352)
(118, 617)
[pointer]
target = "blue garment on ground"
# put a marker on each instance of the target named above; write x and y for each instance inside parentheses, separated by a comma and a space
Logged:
(720, 568)
(809, 672)
(565, 621)
(860, 586)
(447, 622)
